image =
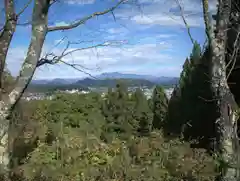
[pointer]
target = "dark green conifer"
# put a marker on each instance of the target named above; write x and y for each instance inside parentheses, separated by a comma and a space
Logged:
(142, 113)
(160, 106)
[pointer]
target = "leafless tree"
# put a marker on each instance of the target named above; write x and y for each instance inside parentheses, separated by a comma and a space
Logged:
(40, 29)
(7, 32)
(227, 107)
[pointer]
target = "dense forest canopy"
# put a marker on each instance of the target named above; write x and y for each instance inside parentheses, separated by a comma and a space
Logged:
(87, 137)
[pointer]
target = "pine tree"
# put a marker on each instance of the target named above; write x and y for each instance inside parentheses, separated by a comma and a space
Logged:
(196, 54)
(142, 113)
(173, 122)
(190, 114)
(185, 73)
(117, 113)
(160, 106)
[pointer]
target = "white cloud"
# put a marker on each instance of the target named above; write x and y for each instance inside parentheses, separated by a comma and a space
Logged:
(166, 13)
(151, 51)
(117, 30)
(80, 2)
(163, 20)
(59, 41)
(16, 57)
(171, 70)
(122, 57)
(112, 58)
(165, 35)
(61, 23)
(128, 55)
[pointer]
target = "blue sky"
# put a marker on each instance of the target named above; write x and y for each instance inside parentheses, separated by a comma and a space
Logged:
(153, 37)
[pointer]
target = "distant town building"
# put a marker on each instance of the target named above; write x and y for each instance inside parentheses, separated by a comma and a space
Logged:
(44, 96)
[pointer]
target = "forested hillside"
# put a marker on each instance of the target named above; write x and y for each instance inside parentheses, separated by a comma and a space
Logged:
(88, 137)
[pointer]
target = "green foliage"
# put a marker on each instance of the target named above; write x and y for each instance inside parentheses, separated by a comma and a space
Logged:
(117, 114)
(142, 112)
(88, 137)
(190, 112)
(73, 156)
(189, 64)
(196, 54)
(160, 106)
(174, 118)
(185, 72)
(127, 115)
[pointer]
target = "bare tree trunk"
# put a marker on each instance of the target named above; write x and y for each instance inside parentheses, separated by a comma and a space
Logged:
(5, 40)
(226, 121)
(225, 102)
(39, 31)
(6, 36)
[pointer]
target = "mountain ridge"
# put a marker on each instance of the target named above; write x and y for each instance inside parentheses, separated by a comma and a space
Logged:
(110, 75)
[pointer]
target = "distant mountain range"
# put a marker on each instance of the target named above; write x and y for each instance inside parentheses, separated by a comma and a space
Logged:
(113, 81)
(154, 79)
(112, 75)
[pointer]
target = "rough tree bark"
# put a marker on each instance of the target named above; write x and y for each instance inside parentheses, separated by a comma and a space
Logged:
(226, 105)
(39, 31)
(6, 36)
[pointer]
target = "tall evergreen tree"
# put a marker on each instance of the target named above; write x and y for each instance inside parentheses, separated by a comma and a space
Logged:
(160, 106)
(196, 53)
(185, 72)
(142, 113)
(173, 122)
(117, 113)
(190, 113)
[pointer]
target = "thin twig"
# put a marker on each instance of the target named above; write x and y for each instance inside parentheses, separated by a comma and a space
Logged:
(85, 19)
(24, 8)
(51, 58)
(184, 20)
(234, 55)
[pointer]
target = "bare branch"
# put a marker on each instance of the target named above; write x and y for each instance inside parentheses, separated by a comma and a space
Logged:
(85, 19)
(58, 43)
(18, 24)
(233, 58)
(208, 25)
(51, 58)
(53, 1)
(81, 69)
(184, 20)
(24, 8)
